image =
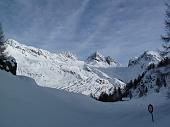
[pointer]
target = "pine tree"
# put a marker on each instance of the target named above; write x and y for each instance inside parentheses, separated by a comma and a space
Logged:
(166, 37)
(130, 94)
(159, 84)
(2, 41)
(119, 94)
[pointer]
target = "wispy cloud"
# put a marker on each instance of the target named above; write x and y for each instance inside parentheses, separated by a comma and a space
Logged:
(121, 28)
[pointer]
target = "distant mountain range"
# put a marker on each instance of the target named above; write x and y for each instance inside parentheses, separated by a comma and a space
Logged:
(61, 71)
(92, 77)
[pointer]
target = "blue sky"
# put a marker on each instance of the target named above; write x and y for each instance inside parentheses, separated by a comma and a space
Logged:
(119, 28)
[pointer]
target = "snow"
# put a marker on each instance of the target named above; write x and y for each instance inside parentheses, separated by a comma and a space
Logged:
(137, 66)
(98, 60)
(147, 58)
(25, 104)
(61, 71)
(150, 80)
(124, 74)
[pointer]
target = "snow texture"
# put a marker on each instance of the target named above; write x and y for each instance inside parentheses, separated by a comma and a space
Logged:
(25, 104)
(61, 71)
(98, 60)
(137, 66)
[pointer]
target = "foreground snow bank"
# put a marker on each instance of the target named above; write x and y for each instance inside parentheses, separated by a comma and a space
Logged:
(25, 104)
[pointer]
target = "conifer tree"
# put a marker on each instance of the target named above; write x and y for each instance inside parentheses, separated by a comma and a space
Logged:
(166, 37)
(119, 94)
(2, 41)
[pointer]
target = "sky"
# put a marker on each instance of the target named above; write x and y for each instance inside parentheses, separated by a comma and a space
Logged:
(121, 29)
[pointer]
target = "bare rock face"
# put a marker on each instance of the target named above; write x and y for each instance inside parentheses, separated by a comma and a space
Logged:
(8, 64)
(98, 60)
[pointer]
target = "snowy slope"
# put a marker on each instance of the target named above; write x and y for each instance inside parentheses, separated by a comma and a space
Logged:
(98, 60)
(25, 104)
(61, 71)
(135, 68)
(124, 74)
(155, 80)
(147, 58)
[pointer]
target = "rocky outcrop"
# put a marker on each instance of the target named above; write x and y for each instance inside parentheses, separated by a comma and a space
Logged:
(8, 64)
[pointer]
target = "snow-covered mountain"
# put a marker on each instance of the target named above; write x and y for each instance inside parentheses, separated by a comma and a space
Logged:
(64, 71)
(155, 80)
(98, 60)
(147, 58)
(136, 66)
(61, 71)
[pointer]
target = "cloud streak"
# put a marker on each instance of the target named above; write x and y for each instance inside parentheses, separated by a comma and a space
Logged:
(119, 28)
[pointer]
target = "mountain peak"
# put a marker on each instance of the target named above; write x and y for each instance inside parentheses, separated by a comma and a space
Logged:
(96, 56)
(12, 42)
(147, 58)
(61, 71)
(98, 60)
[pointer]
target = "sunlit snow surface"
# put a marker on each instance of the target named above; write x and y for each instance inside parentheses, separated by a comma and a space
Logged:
(136, 67)
(25, 104)
(61, 71)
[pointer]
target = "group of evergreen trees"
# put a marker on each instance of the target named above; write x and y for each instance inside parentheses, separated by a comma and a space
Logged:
(161, 81)
(151, 66)
(112, 97)
(164, 62)
(133, 85)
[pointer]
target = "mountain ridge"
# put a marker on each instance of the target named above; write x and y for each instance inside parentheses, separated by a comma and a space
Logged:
(65, 71)
(61, 71)
(98, 60)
